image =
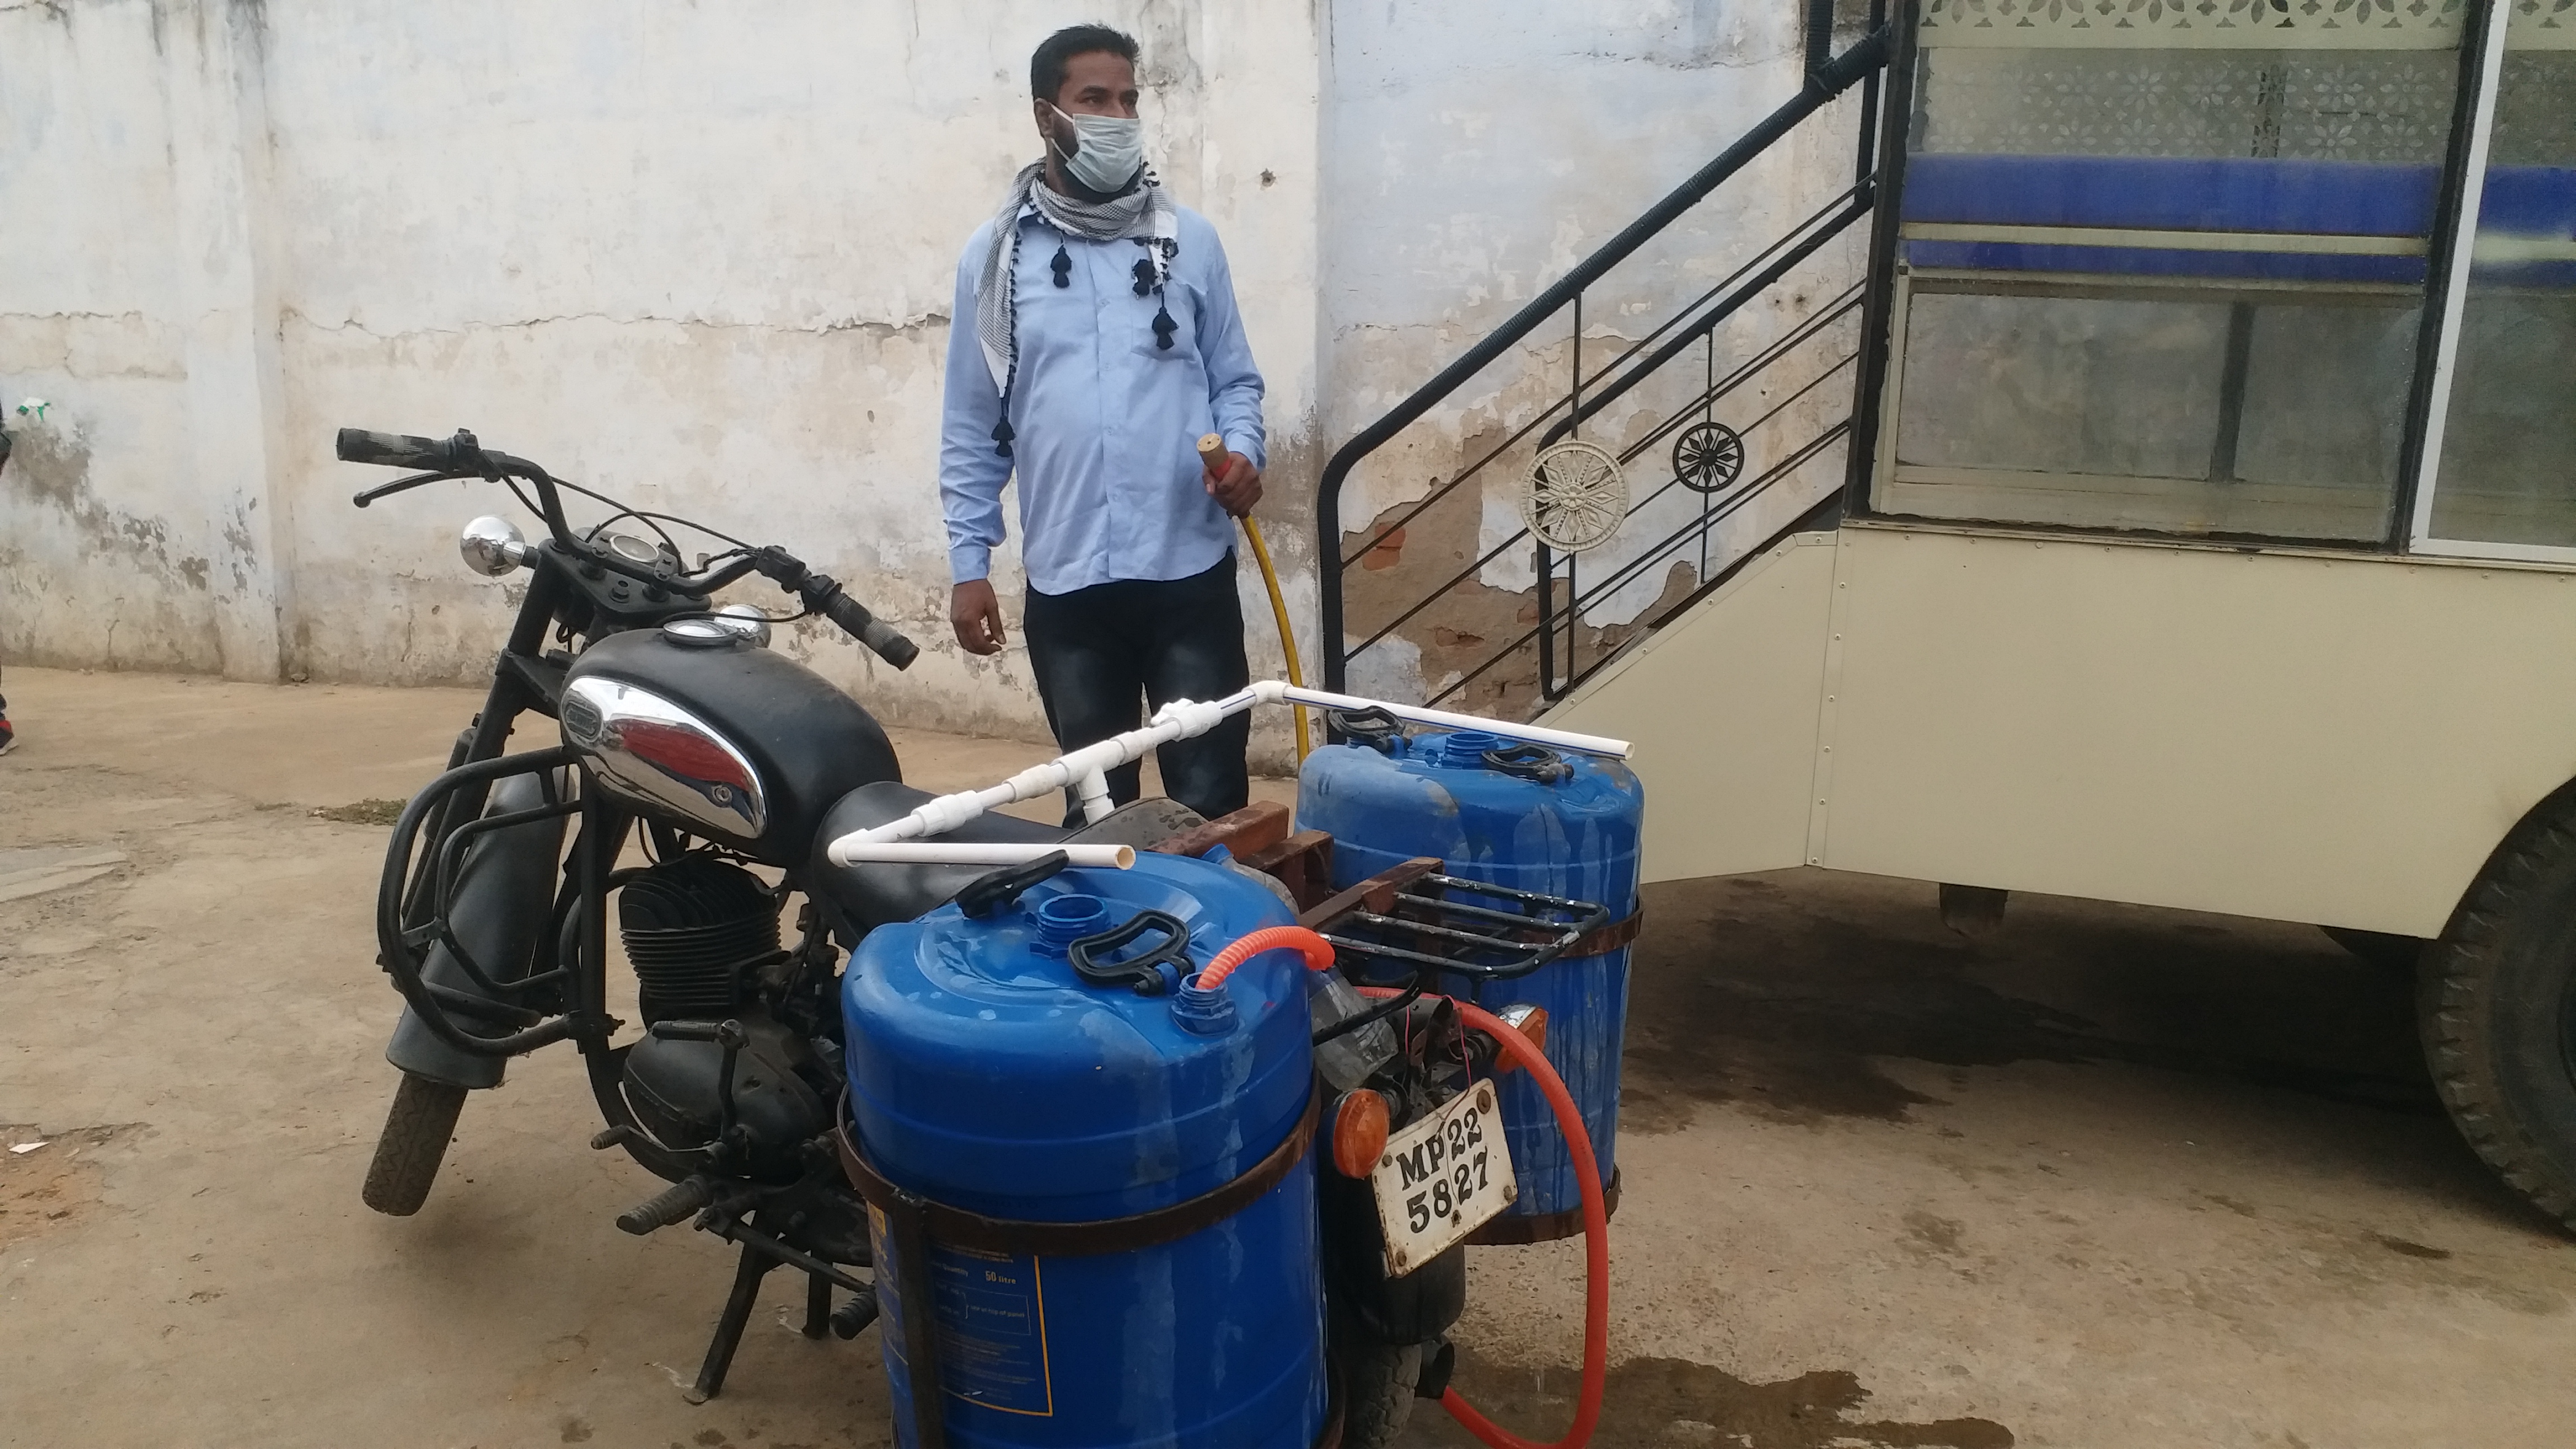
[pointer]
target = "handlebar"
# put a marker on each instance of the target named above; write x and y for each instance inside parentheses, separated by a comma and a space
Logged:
(462, 456)
(402, 450)
(883, 639)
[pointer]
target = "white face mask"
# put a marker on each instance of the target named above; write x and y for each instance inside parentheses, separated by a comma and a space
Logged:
(1111, 150)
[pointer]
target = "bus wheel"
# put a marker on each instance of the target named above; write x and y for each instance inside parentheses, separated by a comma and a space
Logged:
(2496, 1001)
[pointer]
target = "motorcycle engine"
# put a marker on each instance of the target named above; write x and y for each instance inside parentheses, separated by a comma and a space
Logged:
(696, 929)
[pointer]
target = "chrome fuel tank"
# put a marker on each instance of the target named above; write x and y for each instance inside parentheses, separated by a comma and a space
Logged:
(707, 731)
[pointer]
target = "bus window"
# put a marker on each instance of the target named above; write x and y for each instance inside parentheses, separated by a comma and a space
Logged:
(2164, 279)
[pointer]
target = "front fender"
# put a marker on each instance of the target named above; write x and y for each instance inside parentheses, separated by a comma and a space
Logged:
(504, 895)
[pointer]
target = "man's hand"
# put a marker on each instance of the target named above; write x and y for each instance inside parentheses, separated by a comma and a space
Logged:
(1238, 487)
(977, 615)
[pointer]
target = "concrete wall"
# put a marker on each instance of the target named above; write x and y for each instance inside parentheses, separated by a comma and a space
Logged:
(699, 256)
(135, 523)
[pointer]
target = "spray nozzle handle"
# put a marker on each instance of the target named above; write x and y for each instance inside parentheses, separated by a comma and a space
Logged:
(996, 890)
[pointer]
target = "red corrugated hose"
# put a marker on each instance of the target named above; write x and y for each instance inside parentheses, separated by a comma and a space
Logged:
(1596, 1243)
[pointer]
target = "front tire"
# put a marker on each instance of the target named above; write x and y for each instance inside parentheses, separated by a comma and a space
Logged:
(2497, 1007)
(414, 1142)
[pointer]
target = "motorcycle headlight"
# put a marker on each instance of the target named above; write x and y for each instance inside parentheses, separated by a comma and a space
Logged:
(492, 546)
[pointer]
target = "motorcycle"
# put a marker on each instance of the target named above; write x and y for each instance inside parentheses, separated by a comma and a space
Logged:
(732, 768)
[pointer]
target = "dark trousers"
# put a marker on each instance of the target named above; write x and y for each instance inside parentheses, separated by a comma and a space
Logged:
(1098, 651)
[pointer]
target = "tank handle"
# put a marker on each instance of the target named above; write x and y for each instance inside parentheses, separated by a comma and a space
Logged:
(1373, 727)
(1148, 972)
(1530, 762)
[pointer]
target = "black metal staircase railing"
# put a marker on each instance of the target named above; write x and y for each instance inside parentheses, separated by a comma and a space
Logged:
(1541, 644)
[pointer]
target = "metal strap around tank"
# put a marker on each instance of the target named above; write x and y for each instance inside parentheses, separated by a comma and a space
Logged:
(959, 1228)
(1609, 938)
(1508, 1231)
(915, 1223)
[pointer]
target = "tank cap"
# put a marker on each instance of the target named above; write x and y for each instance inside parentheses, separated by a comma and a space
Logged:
(1206, 1012)
(1065, 919)
(1466, 749)
(697, 631)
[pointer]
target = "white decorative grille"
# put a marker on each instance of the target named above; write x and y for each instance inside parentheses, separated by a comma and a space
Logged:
(2312, 106)
(2535, 121)
(2204, 24)
(2541, 25)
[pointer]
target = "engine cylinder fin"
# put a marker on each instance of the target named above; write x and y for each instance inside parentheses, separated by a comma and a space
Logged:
(692, 927)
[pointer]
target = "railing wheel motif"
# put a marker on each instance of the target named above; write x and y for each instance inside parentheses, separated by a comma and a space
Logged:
(1708, 457)
(1574, 497)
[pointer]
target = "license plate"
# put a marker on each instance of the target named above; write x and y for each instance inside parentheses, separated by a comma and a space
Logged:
(1441, 1178)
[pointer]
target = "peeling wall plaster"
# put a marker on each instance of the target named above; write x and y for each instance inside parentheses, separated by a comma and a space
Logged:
(700, 256)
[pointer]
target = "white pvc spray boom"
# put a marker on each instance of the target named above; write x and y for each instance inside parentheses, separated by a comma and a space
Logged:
(1085, 771)
(1535, 734)
(849, 850)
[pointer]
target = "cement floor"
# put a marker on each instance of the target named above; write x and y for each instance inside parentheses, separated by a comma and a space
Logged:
(2109, 1178)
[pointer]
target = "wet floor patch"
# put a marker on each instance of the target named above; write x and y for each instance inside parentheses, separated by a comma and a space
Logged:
(1787, 993)
(1669, 1403)
(1743, 992)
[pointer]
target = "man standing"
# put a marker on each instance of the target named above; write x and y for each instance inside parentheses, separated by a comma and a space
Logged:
(1094, 341)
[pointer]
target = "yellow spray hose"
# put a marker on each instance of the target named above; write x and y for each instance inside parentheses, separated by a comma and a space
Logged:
(1287, 636)
(1212, 453)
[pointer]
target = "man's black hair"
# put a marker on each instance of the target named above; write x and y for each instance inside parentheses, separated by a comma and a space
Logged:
(1046, 67)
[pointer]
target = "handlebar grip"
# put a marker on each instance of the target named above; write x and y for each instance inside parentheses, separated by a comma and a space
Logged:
(887, 641)
(679, 1200)
(395, 450)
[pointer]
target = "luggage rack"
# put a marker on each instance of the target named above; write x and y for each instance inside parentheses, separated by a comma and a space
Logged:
(1413, 918)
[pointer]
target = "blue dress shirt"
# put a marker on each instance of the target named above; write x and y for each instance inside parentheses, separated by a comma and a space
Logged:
(1105, 424)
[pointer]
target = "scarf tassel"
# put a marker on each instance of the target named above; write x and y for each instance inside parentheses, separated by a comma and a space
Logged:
(1002, 433)
(996, 316)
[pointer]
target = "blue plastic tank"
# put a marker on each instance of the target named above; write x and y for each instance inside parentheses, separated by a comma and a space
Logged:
(986, 1074)
(1575, 836)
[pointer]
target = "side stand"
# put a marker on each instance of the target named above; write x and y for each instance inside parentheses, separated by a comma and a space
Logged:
(755, 1265)
(820, 1318)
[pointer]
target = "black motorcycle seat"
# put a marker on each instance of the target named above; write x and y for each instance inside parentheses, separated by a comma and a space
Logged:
(877, 893)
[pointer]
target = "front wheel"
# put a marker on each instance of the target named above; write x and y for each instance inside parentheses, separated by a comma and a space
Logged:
(2497, 1006)
(414, 1141)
